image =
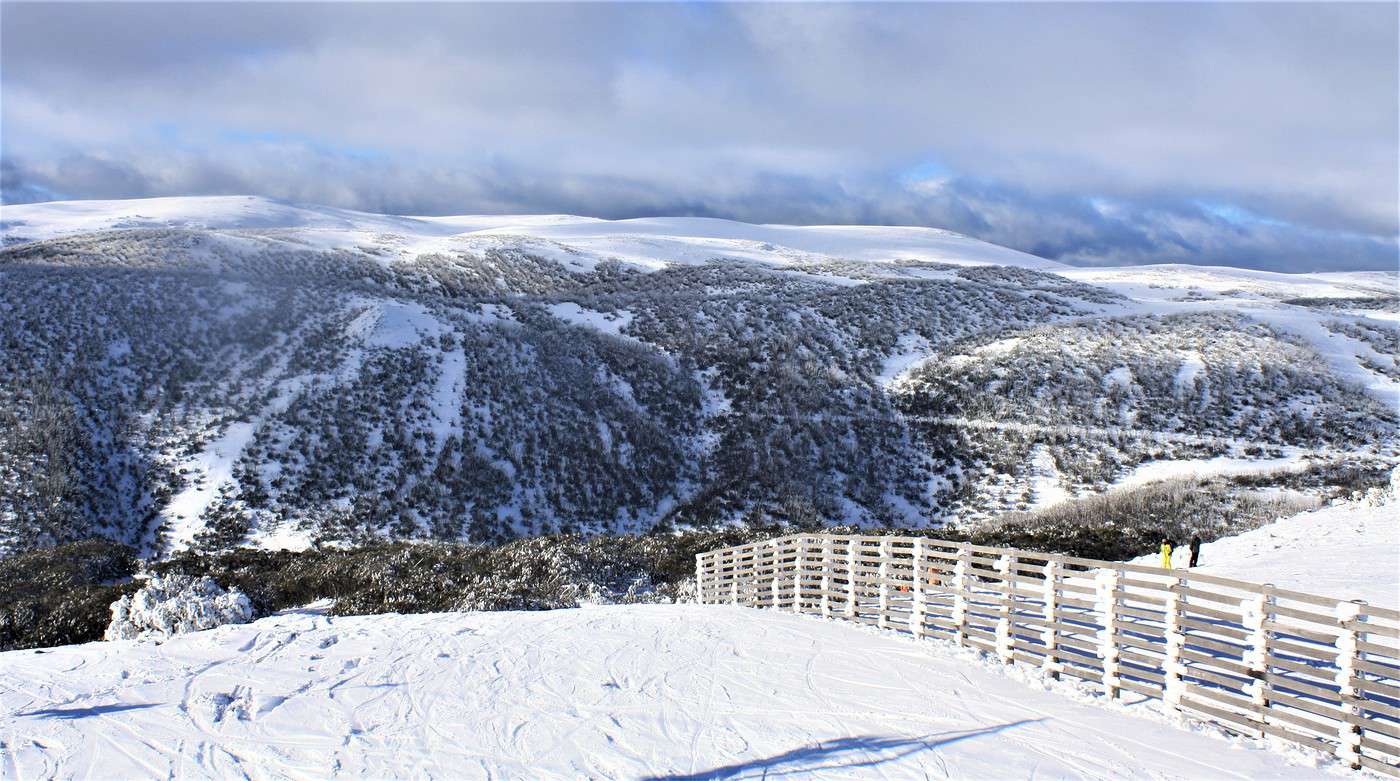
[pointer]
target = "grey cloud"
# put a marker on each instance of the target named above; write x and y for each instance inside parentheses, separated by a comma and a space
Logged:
(758, 112)
(1065, 227)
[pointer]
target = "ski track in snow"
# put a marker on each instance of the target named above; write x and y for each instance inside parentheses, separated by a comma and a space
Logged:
(675, 691)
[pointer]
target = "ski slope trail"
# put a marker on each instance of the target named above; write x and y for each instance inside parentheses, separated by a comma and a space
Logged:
(675, 691)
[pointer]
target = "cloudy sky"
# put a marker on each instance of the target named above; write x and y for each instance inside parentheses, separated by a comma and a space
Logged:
(1255, 134)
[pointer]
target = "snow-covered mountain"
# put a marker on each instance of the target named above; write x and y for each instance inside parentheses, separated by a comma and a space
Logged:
(210, 372)
(576, 241)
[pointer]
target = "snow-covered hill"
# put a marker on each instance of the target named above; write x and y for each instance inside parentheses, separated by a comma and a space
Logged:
(1352, 319)
(583, 241)
(212, 372)
(680, 692)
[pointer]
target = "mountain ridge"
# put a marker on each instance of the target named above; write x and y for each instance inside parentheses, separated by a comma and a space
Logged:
(689, 235)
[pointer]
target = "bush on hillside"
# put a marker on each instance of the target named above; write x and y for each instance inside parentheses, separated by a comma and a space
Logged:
(530, 574)
(1125, 524)
(61, 595)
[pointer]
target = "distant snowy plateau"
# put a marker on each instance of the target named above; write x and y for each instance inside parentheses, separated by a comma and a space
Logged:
(225, 371)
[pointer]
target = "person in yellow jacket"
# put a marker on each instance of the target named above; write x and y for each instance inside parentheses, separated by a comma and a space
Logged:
(1166, 554)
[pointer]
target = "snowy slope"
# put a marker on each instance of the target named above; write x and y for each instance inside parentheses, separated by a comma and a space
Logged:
(616, 692)
(1271, 298)
(1347, 550)
(63, 218)
(1168, 281)
(697, 239)
(648, 243)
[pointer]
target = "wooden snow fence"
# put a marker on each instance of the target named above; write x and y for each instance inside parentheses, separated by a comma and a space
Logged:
(1252, 658)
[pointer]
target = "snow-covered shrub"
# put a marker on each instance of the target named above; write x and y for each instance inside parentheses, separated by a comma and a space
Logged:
(1377, 497)
(174, 604)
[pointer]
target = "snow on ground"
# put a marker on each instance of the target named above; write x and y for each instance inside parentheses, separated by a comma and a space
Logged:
(911, 351)
(1341, 352)
(1346, 550)
(610, 323)
(1188, 374)
(695, 239)
(62, 218)
(674, 691)
(1172, 280)
(378, 325)
(399, 324)
(206, 473)
(394, 324)
(1046, 490)
(1154, 471)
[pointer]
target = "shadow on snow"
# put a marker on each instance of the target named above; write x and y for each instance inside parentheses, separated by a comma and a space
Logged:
(83, 713)
(830, 752)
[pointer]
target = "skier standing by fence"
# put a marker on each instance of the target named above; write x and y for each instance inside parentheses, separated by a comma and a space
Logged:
(1166, 553)
(1195, 550)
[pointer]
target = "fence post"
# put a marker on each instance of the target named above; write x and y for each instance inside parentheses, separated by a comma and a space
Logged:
(773, 587)
(960, 577)
(1106, 586)
(734, 577)
(1172, 668)
(1349, 735)
(756, 583)
(700, 576)
(1048, 635)
(1256, 615)
(851, 577)
(916, 615)
(884, 620)
(799, 566)
(826, 575)
(1003, 643)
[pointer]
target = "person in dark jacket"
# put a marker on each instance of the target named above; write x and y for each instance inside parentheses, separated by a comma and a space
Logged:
(1195, 550)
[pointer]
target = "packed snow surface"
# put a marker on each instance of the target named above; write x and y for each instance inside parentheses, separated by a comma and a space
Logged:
(675, 691)
(578, 242)
(1346, 550)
